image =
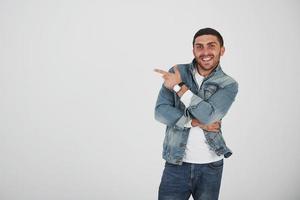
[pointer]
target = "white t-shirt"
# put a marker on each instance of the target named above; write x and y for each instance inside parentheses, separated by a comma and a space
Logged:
(197, 150)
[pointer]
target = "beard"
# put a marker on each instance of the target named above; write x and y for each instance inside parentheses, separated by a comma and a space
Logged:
(210, 65)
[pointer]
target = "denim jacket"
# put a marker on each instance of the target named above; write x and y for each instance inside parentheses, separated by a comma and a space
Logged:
(210, 103)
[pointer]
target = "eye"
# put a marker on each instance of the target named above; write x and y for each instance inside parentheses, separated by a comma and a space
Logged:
(212, 46)
(199, 47)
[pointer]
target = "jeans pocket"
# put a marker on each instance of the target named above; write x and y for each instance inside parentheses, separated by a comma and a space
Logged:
(216, 165)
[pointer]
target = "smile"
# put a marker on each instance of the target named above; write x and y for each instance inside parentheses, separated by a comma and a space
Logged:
(206, 58)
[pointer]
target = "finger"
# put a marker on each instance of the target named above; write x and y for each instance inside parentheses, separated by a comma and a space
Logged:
(176, 69)
(160, 71)
(213, 130)
(214, 127)
(217, 125)
(165, 76)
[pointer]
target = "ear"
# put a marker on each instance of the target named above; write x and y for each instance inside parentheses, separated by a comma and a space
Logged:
(222, 50)
(194, 51)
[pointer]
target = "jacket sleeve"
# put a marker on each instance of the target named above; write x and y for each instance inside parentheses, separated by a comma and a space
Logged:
(214, 108)
(165, 110)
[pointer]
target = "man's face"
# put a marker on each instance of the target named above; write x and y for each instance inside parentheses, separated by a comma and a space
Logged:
(207, 52)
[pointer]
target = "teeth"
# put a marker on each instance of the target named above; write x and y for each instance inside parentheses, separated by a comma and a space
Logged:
(206, 58)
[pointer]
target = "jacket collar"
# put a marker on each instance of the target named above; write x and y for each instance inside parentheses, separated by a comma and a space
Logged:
(193, 68)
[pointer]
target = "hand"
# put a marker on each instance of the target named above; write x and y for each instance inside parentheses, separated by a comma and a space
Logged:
(170, 79)
(213, 127)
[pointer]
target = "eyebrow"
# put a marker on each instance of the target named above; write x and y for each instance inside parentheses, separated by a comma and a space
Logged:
(207, 43)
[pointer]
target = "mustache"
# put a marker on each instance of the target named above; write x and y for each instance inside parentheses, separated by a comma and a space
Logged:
(201, 56)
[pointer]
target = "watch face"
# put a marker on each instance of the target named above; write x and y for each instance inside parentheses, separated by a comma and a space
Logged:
(176, 88)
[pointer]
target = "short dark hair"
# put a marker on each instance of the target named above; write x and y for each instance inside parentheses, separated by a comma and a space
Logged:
(209, 31)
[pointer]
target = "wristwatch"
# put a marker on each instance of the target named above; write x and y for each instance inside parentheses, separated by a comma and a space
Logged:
(176, 88)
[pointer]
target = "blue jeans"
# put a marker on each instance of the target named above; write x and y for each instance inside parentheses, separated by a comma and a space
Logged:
(202, 181)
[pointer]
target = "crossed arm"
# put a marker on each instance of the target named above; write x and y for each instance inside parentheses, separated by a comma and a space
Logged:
(166, 113)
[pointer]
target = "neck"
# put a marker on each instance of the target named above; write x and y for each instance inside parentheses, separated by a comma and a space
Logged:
(204, 72)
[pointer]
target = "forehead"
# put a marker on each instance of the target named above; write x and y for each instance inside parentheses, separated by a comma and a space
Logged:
(205, 39)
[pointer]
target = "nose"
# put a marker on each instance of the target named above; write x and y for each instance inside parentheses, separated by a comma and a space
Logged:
(205, 51)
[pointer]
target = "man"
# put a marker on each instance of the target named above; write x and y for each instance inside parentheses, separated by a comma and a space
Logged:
(192, 101)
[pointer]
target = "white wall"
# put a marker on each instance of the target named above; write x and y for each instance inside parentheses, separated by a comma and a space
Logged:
(77, 95)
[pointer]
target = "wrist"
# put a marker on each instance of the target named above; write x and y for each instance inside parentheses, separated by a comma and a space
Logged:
(177, 87)
(182, 90)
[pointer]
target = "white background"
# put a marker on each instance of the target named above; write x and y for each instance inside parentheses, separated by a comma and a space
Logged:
(77, 95)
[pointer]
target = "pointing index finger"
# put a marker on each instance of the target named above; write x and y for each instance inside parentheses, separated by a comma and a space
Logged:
(161, 71)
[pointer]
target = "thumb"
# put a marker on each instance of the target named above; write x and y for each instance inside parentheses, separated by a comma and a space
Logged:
(176, 69)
